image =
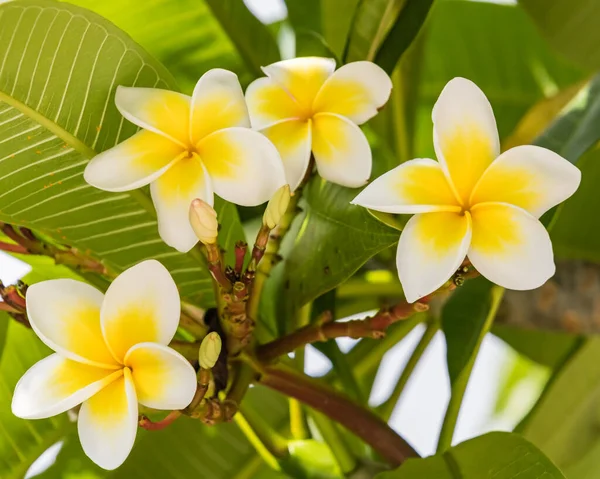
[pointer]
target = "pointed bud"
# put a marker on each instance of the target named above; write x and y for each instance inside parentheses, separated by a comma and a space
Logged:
(209, 350)
(277, 206)
(204, 221)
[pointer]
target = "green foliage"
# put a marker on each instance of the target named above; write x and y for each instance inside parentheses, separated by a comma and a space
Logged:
(564, 424)
(51, 51)
(310, 459)
(497, 455)
(570, 26)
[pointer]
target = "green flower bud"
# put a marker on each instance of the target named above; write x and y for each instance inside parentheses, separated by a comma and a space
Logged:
(209, 350)
(277, 206)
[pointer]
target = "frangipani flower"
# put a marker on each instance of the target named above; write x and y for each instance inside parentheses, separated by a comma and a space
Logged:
(474, 202)
(303, 105)
(110, 353)
(189, 148)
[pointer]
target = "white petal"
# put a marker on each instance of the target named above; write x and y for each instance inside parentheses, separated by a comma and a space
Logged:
(141, 305)
(65, 314)
(293, 140)
(416, 186)
(172, 195)
(55, 385)
(432, 247)
(510, 247)
(134, 163)
(269, 103)
(108, 423)
(341, 150)
(464, 134)
(161, 111)
(302, 77)
(217, 103)
(244, 167)
(356, 90)
(163, 378)
(531, 177)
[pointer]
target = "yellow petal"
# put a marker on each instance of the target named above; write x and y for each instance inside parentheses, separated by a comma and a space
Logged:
(269, 103)
(510, 247)
(217, 103)
(432, 247)
(141, 305)
(301, 77)
(65, 314)
(134, 163)
(55, 385)
(163, 378)
(108, 423)
(173, 194)
(244, 167)
(341, 150)
(356, 90)
(417, 186)
(465, 135)
(161, 111)
(293, 141)
(531, 177)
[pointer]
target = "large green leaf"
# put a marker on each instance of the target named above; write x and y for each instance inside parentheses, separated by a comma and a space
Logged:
(184, 35)
(575, 234)
(21, 441)
(564, 423)
(576, 129)
(59, 67)
(252, 39)
(497, 455)
(498, 48)
(334, 240)
(571, 26)
(186, 449)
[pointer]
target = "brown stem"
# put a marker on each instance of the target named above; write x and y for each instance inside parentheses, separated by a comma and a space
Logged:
(7, 308)
(13, 248)
(240, 254)
(361, 421)
(323, 330)
(216, 267)
(149, 425)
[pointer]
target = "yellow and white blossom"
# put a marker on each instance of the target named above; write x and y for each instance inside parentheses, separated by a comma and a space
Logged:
(304, 106)
(189, 148)
(474, 202)
(111, 353)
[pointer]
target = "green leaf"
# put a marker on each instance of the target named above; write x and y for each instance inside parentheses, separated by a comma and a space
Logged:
(497, 455)
(564, 422)
(544, 347)
(183, 35)
(574, 233)
(187, 448)
(571, 26)
(405, 29)
(575, 130)
(59, 67)
(21, 441)
(310, 459)
(497, 47)
(252, 39)
(5, 319)
(463, 320)
(334, 239)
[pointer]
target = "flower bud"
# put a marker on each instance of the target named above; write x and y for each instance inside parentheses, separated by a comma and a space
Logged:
(277, 206)
(204, 221)
(209, 350)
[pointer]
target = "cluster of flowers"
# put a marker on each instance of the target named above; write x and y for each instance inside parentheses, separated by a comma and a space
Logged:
(111, 350)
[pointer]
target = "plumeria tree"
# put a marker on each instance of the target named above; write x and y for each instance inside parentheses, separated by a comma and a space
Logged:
(202, 195)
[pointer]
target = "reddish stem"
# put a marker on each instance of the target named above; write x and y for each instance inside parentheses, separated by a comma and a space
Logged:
(13, 248)
(361, 421)
(149, 425)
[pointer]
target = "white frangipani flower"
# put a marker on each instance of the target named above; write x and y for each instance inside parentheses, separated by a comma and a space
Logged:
(474, 202)
(110, 353)
(304, 106)
(189, 148)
